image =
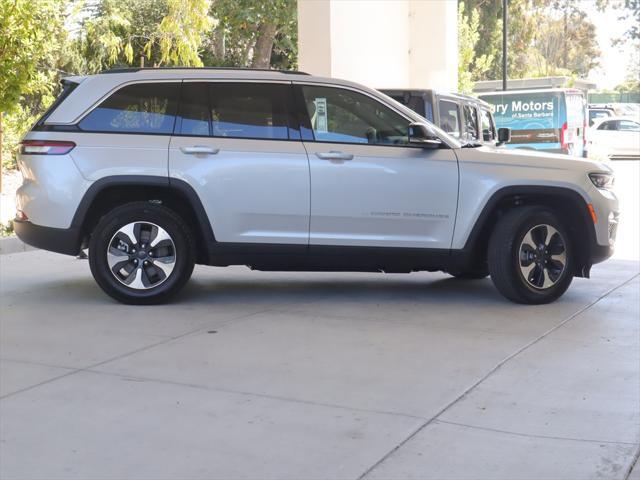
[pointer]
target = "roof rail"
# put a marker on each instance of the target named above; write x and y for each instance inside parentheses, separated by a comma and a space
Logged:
(138, 69)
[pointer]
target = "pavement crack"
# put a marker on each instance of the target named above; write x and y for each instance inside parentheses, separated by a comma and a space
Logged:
(132, 352)
(253, 394)
(634, 463)
(533, 435)
(491, 372)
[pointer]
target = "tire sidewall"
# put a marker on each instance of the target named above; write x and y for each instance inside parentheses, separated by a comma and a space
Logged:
(532, 294)
(140, 212)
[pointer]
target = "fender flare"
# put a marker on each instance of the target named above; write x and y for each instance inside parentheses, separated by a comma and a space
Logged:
(587, 248)
(144, 180)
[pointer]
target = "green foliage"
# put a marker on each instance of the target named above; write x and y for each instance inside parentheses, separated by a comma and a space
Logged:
(34, 52)
(6, 229)
(32, 37)
(545, 38)
(631, 82)
(144, 32)
(470, 65)
(253, 33)
(181, 33)
(575, 48)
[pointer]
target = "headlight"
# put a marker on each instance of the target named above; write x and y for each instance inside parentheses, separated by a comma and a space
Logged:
(602, 180)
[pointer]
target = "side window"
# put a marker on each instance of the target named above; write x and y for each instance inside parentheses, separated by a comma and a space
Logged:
(428, 110)
(488, 130)
(450, 117)
(340, 115)
(194, 109)
(139, 108)
(609, 125)
(628, 126)
(249, 110)
(471, 123)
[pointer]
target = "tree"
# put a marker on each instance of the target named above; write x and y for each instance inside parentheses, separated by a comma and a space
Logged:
(565, 43)
(632, 80)
(470, 65)
(523, 24)
(545, 37)
(253, 33)
(32, 41)
(144, 32)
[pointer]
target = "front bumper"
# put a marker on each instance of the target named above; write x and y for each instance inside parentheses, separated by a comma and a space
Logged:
(600, 253)
(59, 240)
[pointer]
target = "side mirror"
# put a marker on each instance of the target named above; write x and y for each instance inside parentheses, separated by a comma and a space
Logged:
(504, 136)
(420, 135)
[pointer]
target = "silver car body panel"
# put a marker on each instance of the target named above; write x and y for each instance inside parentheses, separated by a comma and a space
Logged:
(281, 192)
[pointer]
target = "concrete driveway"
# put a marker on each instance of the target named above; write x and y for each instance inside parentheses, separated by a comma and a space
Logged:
(291, 376)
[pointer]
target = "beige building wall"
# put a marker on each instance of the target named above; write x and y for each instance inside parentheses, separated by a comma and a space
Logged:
(381, 43)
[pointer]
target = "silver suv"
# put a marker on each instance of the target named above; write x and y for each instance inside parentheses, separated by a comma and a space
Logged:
(155, 170)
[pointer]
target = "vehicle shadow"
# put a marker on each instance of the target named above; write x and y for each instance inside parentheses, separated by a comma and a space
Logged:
(365, 291)
(242, 292)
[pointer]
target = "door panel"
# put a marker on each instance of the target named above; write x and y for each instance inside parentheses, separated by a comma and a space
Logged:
(383, 196)
(369, 186)
(254, 191)
(232, 145)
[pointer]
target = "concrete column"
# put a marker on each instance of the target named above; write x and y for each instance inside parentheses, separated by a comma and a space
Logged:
(381, 43)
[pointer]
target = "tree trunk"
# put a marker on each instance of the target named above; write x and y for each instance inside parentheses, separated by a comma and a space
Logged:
(264, 45)
(219, 46)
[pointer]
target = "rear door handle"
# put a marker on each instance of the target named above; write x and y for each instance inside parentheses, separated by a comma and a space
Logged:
(199, 149)
(333, 155)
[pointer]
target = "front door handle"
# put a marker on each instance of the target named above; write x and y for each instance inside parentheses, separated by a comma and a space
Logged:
(199, 150)
(333, 155)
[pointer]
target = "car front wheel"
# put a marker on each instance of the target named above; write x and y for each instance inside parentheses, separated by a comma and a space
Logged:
(141, 253)
(530, 256)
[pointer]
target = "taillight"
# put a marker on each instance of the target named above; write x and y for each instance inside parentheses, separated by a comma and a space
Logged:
(563, 136)
(45, 147)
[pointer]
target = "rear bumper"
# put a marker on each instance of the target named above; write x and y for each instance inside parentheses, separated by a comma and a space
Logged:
(59, 240)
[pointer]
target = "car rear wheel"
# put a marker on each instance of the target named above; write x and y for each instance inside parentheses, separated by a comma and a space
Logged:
(531, 259)
(141, 253)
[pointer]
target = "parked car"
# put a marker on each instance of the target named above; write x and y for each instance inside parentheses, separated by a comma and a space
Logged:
(462, 116)
(155, 170)
(615, 138)
(552, 120)
(597, 111)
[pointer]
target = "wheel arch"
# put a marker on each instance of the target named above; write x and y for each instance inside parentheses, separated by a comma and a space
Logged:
(176, 194)
(565, 202)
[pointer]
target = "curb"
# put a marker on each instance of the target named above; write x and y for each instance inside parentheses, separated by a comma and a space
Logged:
(13, 245)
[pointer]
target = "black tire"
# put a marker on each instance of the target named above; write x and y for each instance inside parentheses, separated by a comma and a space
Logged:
(181, 247)
(509, 254)
(472, 274)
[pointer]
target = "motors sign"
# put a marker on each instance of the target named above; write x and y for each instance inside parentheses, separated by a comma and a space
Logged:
(524, 110)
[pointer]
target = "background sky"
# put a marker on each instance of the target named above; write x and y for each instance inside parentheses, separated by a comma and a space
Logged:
(615, 61)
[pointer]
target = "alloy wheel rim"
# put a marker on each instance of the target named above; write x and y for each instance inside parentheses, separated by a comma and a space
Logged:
(542, 257)
(141, 255)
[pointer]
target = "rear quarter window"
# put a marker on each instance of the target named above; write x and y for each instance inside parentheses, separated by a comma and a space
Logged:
(147, 108)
